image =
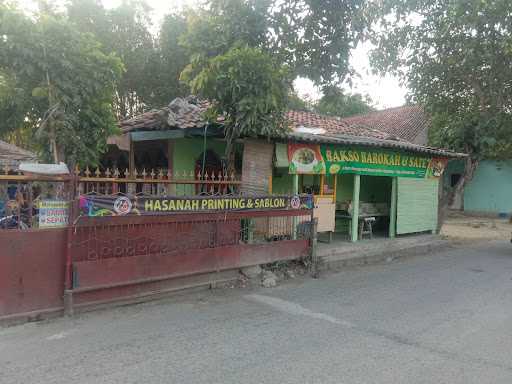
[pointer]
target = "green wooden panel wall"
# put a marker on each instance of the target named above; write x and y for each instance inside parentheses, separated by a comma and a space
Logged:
(417, 205)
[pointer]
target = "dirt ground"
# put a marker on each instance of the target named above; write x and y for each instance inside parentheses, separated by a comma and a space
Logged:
(461, 226)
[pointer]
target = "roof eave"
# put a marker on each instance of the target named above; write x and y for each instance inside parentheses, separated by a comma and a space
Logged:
(372, 142)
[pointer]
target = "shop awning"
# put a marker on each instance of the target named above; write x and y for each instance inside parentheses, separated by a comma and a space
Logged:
(157, 135)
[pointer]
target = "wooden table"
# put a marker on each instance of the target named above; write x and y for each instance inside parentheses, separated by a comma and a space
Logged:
(360, 217)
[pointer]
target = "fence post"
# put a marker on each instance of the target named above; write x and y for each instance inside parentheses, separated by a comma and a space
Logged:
(314, 242)
(68, 280)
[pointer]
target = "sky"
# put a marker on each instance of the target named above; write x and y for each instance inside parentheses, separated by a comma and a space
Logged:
(385, 92)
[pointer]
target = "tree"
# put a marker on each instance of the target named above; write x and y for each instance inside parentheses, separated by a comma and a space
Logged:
(313, 38)
(249, 91)
(169, 61)
(124, 31)
(297, 103)
(456, 58)
(61, 85)
(335, 103)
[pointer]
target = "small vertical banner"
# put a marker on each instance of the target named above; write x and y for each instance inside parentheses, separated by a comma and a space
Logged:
(53, 213)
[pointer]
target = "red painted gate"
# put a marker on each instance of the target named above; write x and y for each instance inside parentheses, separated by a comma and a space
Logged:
(101, 259)
(122, 257)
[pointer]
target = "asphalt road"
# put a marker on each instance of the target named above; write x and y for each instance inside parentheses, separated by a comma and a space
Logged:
(443, 318)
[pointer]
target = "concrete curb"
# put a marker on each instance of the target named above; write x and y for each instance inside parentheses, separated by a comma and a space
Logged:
(337, 261)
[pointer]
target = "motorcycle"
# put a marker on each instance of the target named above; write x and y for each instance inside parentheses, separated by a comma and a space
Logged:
(12, 222)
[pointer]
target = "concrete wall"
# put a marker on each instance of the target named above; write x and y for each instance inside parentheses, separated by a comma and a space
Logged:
(490, 190)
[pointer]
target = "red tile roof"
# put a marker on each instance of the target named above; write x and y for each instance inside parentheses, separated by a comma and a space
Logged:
(334, 126)
(409, 122)
(400, 127)
(379, 125)
(159, 119)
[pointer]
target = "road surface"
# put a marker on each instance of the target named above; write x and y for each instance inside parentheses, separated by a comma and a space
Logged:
(442, 318)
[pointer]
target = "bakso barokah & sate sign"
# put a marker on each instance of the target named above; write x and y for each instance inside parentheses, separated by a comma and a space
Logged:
(322, 159)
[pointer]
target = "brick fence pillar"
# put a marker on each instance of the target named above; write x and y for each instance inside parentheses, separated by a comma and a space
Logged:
(257, 166)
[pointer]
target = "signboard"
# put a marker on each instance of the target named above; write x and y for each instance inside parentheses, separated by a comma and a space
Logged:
(95, 205)
(53, 213)
(305, 159)
(321, 159)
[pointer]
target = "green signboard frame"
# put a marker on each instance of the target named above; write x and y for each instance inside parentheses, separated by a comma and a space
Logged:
(334, 159)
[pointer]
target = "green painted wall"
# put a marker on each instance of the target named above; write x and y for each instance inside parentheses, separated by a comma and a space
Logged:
(491, 188)
(490, 191)
(375, 189)
(186, 152)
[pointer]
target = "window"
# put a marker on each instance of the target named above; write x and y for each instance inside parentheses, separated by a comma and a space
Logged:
(454, 179)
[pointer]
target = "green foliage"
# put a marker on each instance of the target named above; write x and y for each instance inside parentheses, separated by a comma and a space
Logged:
(335, 103)
(314, 37)
(60, 85)
(219, 25)
(249, 90)
(124, 31)
(170, 60)
(311, 37)
(152, 65)
(61, 75)
(456, 57)
(296, 103)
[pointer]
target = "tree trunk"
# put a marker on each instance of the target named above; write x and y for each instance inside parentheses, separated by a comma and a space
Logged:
(52, 138)
(229, 161)
(456, 195)
(448, 196)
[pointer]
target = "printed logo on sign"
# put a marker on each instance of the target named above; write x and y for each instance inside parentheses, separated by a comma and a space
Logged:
(122, 205)
(295, 202)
